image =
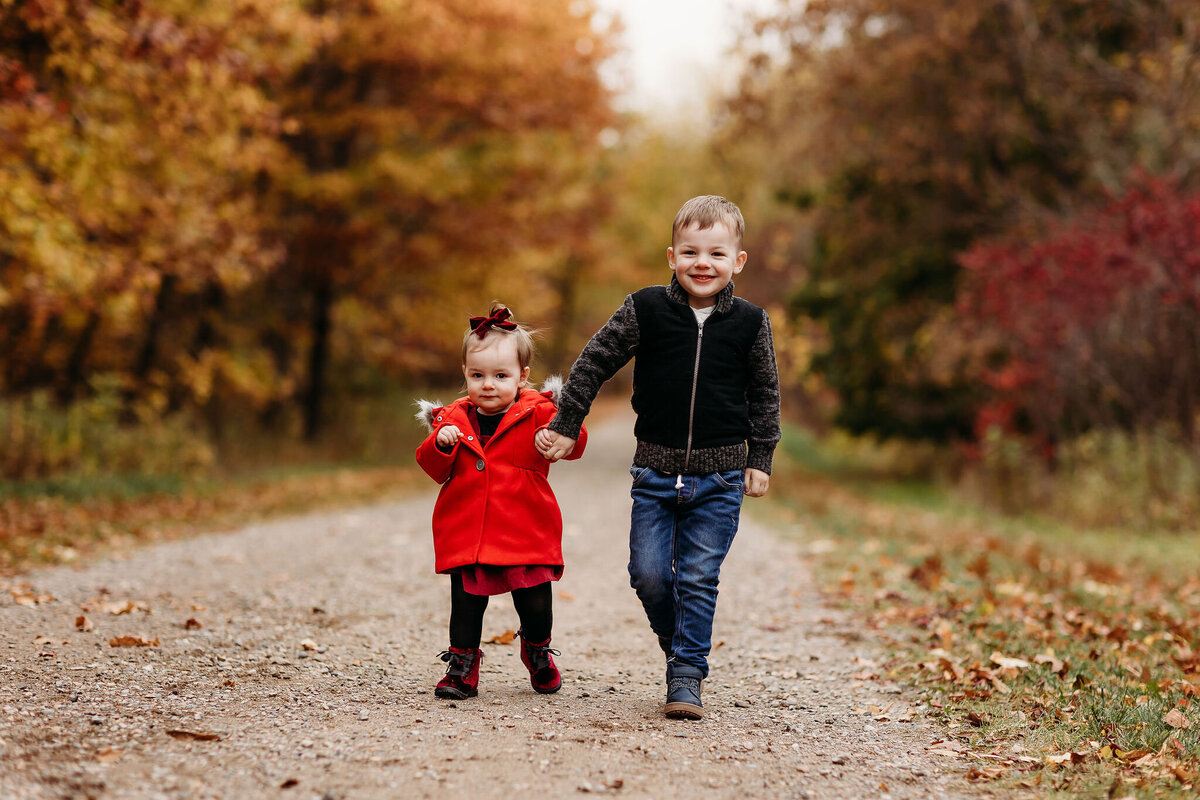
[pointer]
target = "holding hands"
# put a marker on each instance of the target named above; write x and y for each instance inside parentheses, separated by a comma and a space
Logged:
(553, 446)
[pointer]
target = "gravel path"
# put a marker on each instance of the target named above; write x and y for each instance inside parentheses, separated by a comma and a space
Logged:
(308, 666)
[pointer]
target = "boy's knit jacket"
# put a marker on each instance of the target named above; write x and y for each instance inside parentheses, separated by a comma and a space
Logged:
(707, 399)
(495, 506)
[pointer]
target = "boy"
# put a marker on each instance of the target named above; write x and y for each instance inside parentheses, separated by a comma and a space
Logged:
(706, 393)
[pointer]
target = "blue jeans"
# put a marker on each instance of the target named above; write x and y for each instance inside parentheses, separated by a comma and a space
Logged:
(678, 539)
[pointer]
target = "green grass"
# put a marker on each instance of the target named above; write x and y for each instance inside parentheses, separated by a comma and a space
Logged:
(943, 578)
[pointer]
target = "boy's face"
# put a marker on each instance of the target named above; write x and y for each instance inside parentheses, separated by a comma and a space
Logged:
(494, 375)
(704, 261)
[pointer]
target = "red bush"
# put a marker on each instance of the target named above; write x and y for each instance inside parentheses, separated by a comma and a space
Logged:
(1098, 322)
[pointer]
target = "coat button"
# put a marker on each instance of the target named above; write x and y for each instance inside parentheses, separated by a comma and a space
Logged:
(470, 438)
(479, 465)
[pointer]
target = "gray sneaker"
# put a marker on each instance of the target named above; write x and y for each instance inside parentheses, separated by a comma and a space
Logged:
(683, 692)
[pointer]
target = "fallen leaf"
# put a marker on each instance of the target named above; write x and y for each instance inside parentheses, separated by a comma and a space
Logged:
(928, 574)
(943, 748)
(193, 624)
(1004, 662)
(107, 755)
(116, 609)
(1066, 758)
(26, 595)
(1176, 719)
(503, 638)
(289, 783)
(985, 773)
(132, 641)
(1130, 755)
(196, 736)
(228, 684)
(83, 623)
(566, 596)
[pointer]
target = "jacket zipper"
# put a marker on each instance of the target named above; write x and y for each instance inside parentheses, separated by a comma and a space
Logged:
(687, 454)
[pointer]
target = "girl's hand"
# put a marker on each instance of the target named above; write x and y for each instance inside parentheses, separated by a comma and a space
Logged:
(757, 482)
(553, 446)
(448, 435)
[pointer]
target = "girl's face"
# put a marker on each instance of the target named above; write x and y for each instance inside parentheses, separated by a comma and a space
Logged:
(494, 375)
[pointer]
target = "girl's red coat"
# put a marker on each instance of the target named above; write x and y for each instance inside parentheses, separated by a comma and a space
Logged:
(495, 506)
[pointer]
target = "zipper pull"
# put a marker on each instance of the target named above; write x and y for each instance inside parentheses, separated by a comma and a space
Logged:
(679, 482)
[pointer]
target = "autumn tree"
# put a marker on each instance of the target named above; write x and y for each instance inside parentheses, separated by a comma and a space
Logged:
(131, 137)
(215, 203)
(911, 128)
(437, 148)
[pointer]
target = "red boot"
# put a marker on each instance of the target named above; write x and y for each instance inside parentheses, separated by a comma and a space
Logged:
(462, 674)
(539, 660)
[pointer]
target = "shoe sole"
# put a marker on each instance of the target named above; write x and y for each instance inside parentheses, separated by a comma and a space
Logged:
(547, 691)
(450, 693)
(679, 710)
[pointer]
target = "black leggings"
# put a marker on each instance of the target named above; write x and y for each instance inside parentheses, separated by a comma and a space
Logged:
(534, 607)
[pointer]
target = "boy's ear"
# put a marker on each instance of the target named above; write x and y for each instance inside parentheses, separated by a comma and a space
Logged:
(671, 258)
(740, 262)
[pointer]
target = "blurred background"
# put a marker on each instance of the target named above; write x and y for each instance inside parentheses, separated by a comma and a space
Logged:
(242, 235)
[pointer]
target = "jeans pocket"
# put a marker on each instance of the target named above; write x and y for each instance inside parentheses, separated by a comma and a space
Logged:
(638, 474)
(732, 479)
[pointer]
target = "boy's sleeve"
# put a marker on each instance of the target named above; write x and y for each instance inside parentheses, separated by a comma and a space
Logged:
(580, 444)
(762, 395)
(609, 350)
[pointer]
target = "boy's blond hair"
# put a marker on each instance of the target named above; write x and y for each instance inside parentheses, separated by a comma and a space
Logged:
(708, 210)
(523, 337)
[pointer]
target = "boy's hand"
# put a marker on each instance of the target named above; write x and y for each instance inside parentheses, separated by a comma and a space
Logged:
(448, 435)
(553, 446)
(757, 482)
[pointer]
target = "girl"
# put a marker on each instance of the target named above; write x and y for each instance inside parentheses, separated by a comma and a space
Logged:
(496, 525)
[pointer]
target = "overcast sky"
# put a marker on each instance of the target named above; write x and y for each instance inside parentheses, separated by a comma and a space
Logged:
(675, 48)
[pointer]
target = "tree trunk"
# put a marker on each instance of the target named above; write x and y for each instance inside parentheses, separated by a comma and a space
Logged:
(74, 375)
(318, 357)
(566, 285)
(149, 351)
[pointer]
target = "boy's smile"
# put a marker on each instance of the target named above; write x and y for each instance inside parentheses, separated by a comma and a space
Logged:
(704, 260)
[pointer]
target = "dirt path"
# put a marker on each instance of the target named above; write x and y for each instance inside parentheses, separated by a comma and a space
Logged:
(354, 716)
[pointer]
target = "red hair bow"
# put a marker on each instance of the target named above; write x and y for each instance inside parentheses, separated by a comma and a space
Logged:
(480, 325)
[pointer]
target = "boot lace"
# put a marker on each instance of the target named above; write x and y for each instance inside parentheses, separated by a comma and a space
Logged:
(459, 663)
(539, 655)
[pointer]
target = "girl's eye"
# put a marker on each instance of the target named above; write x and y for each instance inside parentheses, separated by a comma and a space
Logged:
(501, 376)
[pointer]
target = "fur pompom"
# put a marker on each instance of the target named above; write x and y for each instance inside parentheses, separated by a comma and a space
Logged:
(552, 388)
(425, 413)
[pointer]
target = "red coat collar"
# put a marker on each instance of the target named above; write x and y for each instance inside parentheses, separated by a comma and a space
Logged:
(456, 414)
